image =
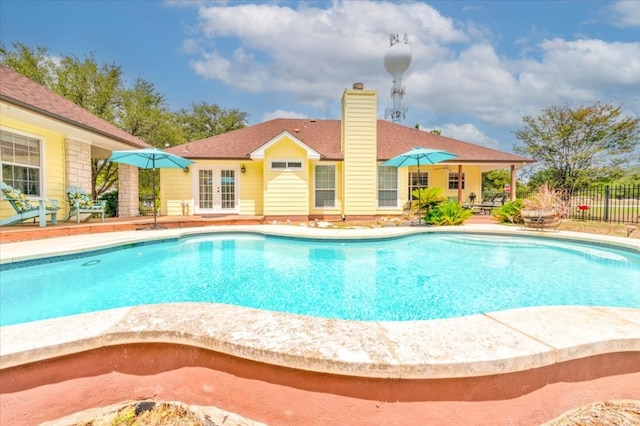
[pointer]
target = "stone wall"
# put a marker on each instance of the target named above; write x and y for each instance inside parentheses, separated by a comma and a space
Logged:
(127, 191)
(78, 164)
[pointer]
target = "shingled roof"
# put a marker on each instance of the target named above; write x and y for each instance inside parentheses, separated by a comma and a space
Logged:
(324, 137)
(19, 90)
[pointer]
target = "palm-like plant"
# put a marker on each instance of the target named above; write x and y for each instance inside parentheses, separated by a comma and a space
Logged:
(425, 199)
(448, 214)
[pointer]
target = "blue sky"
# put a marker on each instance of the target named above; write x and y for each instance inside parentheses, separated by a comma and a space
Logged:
(477, 66)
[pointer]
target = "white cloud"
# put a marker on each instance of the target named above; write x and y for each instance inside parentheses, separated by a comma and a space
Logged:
(314, 53)
(308, 56)
(626, 13)
(282, 114)
(469, 133)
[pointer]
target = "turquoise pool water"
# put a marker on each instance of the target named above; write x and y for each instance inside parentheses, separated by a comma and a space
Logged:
(410, 278)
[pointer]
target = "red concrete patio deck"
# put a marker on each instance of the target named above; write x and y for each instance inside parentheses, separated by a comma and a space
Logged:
(30, 230)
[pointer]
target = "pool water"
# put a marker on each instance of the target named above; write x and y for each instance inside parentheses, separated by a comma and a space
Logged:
(410, 278)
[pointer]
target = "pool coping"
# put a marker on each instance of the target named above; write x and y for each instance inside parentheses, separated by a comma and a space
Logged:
(478, 345)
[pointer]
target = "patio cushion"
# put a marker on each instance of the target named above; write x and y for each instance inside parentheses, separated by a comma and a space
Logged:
(84, 200)
(18, 198)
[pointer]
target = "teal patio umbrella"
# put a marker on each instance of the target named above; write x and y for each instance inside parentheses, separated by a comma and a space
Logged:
(150, 158)
(419, 155)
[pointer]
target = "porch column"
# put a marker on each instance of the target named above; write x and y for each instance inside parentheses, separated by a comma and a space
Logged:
(512, 194)
(459, 183)
(78, 165)
(127, 191)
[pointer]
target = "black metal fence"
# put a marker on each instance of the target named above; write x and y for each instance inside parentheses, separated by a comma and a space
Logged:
(604, 203)
(607, 203)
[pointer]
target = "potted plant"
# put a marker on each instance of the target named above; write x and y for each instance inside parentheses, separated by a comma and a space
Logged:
(543, 209)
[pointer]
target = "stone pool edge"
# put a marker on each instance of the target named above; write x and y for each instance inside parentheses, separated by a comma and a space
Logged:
(478, 345)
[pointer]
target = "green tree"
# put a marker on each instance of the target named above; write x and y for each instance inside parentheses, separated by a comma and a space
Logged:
(33, 63)
(203, 120)
(576, 145)
(95, 87)
(495, 180)
(145, 115)
(140, 110)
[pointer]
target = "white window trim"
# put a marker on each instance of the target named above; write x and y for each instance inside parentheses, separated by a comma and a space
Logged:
(464, 180)
(43, 189)
(398, 202)
(335, 187)
(288, 167)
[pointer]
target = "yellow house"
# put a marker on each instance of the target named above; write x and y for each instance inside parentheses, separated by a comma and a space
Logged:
(47, 143)
(302, 169)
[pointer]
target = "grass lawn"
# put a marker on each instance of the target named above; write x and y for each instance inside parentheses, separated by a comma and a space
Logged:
(604, 228)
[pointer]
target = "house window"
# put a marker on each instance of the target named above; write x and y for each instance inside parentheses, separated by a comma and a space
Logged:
(20, 157)
(387, 186)
(453, 180)
(286, 165)
(205, 189)
(417, 181)
(325, 177)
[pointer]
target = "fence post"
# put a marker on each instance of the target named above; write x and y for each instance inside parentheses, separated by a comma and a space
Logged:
(607, 199)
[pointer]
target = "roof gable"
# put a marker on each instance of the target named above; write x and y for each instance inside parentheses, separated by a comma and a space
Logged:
(259, 153)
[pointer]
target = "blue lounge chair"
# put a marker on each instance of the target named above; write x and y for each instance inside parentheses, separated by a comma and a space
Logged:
(81, 203)
(25, 210)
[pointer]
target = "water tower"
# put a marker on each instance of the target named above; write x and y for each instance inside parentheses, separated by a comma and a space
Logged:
(396, 61)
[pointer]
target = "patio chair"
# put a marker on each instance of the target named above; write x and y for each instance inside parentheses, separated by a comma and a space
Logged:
(496, 201)
(81, 203)
(25, 210)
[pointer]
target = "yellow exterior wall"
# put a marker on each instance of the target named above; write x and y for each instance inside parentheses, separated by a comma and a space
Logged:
(438, 177)
(286, 193)
(252, 188)
(359, 133)
(175, 187)
(53, 165)
(326, 211)
(178, 187)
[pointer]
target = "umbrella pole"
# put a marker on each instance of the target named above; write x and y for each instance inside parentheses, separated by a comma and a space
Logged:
(155, 208)
(155, 211)
(419, 204)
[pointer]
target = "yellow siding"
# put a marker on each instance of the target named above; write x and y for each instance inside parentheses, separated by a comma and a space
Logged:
(328, 211)
(359, 144)
(178, 186)
(252, 188)
(175, 188)
(53, 170)
(286, 193)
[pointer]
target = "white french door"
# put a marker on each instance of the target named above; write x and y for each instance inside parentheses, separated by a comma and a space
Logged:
(217, 190)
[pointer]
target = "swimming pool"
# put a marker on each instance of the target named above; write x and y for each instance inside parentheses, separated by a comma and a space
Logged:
(416, 277)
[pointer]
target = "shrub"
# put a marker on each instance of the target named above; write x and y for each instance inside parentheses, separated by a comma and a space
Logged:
(510, 212)
(111, 206)
(447, 214)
